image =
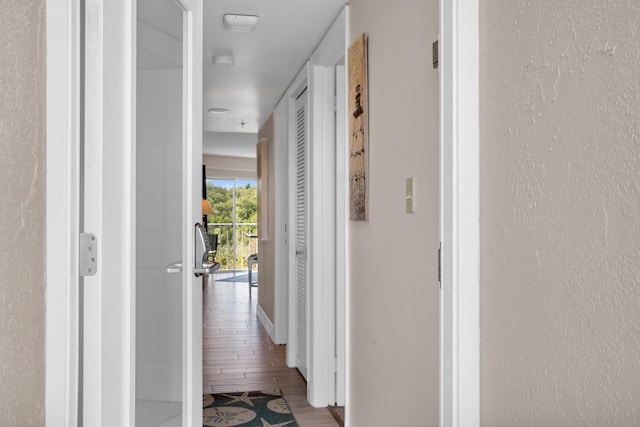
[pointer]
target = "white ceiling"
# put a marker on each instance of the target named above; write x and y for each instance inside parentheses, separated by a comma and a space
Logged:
(265, 61)
(234, 144)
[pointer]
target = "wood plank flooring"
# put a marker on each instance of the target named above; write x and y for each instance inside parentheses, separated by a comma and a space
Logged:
(238, 354)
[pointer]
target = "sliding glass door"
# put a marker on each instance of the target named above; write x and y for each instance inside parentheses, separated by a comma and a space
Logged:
(234, 220)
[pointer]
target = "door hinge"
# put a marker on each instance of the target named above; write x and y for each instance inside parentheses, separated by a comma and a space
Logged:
(88, 256)
(334, 365)
(440, 264)
(335, 104)
(434, 54)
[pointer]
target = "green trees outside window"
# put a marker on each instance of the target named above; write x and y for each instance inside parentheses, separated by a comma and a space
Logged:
(234, 220)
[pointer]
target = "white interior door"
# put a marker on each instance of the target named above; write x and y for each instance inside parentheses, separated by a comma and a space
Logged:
(301, 233)
(168, 305)
(160, 195)
(143, 153)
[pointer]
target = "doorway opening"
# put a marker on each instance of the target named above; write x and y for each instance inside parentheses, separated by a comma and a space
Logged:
(234, 220)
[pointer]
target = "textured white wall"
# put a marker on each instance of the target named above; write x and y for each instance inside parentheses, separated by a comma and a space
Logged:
(22, 212)
(560, 199)
(394, 292)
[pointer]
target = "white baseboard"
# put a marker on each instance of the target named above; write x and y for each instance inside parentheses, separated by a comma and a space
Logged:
(267, 323)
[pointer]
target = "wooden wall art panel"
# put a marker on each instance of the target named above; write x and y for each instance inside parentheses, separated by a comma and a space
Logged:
(358, 131)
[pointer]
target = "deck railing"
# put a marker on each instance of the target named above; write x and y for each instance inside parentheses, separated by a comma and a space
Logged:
(235, 243)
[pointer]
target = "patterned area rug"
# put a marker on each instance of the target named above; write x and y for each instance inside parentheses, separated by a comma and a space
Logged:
(248, 409)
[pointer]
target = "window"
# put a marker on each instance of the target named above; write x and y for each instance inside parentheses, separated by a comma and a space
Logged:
(234, 220)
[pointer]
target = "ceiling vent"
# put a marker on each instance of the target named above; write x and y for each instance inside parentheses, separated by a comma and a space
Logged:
(240, 23)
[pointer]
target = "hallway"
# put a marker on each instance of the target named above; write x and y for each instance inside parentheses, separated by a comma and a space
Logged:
(238, 354)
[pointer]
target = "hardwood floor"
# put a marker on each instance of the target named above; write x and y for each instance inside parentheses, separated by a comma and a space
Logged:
(238, 354)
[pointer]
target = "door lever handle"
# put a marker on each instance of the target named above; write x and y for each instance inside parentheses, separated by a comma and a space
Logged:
(207, 268)
(175, 267)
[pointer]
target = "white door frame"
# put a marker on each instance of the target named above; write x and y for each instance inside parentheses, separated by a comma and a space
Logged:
(319, 83)
(322, 236)
(325, 242)
(63, 142)
(109, 156)
(460, 213)
(192, 292)
(326, 275)
(342, 231)
(109, 376)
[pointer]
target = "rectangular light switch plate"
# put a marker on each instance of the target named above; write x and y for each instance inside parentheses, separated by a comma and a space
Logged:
(409, 196)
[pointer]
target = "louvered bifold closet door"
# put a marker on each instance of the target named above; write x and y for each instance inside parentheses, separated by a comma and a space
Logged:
(301, 234)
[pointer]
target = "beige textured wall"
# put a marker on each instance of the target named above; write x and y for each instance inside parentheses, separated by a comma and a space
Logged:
(22, 212)
(393, 256)
(560, 202)
(267, 247)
